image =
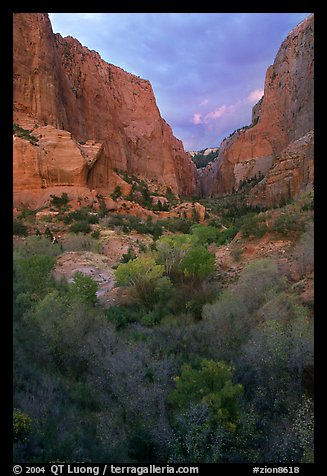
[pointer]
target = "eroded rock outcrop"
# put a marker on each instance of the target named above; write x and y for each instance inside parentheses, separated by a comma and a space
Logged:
(290, 174)
(60, 83)
(283, 115)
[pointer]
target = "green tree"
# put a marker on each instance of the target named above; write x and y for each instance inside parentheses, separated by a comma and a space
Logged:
(198, 263)
(143, 274)
(84, 288)
(32, 274)
(22, 426)
(204, 234)
(211, 385)
(171, 251)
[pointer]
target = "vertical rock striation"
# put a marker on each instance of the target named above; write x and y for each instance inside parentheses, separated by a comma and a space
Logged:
(282, 116)
(60, 83)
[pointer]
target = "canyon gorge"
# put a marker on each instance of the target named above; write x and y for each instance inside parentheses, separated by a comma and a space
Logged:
(89, 119)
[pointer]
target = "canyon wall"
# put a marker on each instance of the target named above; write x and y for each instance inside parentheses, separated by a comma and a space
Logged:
(284, 115)
(60, 85)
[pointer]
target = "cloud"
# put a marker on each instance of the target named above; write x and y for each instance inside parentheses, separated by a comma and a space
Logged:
(197, 118)
(255, 95)
(217, 113)
(202, 87)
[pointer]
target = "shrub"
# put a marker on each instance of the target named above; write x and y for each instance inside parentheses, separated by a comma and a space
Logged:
(211, 384)
(226, 236)
(103, 210)
(81, 242)
(19, 228)
(143, 274)
(128, 256)
(80, 227)
(176, 225)
(37, 245)
(24, 134)
(288, 222)
(253, 225)
(82, 214)
(33, 273)
(59, 201)
(121, 315)
(116, 193)
(95, 234)
(84, 288)
(204, 235)
(22, 426)
(259, 281)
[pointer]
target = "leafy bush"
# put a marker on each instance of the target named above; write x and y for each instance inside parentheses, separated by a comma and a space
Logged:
(37, 245)
(288, 222)
(204, 235)
(226, 236)
(146, 278)
(253, 225)
(95, 234)
(121, 316)
(33, 273)
(82, 214)
(84, 288)
(19, 228)
(176, 225)
(116, 193)
(212, 385)
(128, 256)
(80, 227)
(22, 426)
(198, 263)
(59, 201)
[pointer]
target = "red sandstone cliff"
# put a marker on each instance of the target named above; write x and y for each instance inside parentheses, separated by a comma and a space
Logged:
(60, 85)
(284, 115)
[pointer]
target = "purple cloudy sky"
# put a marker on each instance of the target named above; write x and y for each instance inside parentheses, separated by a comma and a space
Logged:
(207, 70)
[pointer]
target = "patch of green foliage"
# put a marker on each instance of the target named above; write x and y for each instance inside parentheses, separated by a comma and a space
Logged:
(212, 385)
(116, 193)
(24, 134)
(19, 228)
(59, 202)
(80, 227)
(200, 160)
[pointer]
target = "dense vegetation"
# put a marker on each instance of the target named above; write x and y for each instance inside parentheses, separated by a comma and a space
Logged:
(202, 160)
(190, 370)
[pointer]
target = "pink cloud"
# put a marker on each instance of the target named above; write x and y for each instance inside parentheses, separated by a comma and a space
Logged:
(255, 95)
(217, 113)
(197, 118)
(204, 102)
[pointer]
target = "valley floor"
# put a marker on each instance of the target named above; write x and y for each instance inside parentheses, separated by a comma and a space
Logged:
(185, 339)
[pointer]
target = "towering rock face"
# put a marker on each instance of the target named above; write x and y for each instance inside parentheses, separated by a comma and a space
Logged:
(282, 116)
(60, 83)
